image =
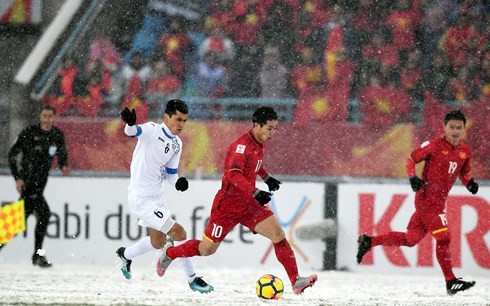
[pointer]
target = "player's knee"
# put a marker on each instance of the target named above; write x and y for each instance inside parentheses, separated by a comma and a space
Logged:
(206, 250)
(443, 237)
(411, 242)
(178, 233)
(43, 219)
(277, 235)
(157, 243)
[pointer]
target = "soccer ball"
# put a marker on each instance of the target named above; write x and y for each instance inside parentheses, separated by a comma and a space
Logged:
(269, 287)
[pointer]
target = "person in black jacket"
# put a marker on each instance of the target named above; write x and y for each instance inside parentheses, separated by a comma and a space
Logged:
(30, 160)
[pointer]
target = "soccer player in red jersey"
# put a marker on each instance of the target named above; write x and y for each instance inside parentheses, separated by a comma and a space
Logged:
(240, 202)
(446, 158)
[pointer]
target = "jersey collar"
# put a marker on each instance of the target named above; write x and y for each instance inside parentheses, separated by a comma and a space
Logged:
(251, 134)
(167, 132)
(444, 139)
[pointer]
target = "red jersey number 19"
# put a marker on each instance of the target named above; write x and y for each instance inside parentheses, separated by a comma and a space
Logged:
(259, 163)
(452, 167)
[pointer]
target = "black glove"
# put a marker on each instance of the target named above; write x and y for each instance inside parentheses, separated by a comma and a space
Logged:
(472, 186)
(129, 116)
(263, 197)
(182, 184)
(417, 183)
(272, 183)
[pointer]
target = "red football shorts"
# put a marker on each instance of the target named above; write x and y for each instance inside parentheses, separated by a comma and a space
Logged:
(222, 222)
(423, 222)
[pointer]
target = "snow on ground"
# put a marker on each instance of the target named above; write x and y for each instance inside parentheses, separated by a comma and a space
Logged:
(23, 284)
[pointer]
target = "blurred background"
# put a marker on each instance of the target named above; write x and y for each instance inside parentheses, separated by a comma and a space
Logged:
(357, 84)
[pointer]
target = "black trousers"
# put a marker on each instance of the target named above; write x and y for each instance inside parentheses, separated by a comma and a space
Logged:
(36, 204)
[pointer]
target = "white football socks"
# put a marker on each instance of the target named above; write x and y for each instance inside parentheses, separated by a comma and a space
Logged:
(187, 264)
(141, 247)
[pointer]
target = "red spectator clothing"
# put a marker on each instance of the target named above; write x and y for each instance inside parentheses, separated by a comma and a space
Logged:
(458, 44)
(164, 84)
(460, 90)
(134, 98)
(106, 81)
(241, 7)
(403, 26)
(443, 164)
(305, 78)
(90, 105)
(219, 19)
(409, 79)
(367, 19)
(173, 47)
(61, 103)
(135, 87)
(103, 48)
(67, 81)
(218, 45)
(387, 54)
(243, 162)
(317, 13)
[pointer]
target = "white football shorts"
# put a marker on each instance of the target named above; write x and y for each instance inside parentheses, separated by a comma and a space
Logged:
(152, 211)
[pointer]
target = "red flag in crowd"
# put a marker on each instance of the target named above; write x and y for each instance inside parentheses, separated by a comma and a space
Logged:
(322, 105)
(383, 106)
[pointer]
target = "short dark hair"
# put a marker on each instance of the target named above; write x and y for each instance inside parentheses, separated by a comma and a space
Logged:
(48, 107)
(455, 115)
(175, 105)
(263, 114)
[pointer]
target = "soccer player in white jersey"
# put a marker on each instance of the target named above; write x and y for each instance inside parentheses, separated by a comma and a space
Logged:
(155, 159)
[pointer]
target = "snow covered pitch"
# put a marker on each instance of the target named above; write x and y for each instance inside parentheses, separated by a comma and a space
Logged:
(23, 284)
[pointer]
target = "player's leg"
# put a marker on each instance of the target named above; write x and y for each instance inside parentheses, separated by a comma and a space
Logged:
(152, 214)
(438, 227)
(415, 232)
(43, 213)
(268, 226)
(218, 226)
(216, 230)
(196, 283)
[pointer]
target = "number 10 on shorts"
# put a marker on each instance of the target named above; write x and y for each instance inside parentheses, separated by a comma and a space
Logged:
(217, 231)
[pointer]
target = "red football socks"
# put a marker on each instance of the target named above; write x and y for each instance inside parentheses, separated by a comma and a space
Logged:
(188, 249)
(390, 239)
(285, 255)
(443, 256)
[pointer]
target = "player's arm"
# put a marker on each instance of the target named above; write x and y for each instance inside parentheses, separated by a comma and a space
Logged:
(466, 179)
(172, 173)
(271, 182)
(235, 176)
(415, 182)
(14, 152)
(62, 153)
(130, 129)
(416, 156)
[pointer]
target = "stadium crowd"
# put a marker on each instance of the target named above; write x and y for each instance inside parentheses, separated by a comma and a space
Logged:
(387, 55)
